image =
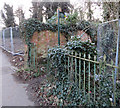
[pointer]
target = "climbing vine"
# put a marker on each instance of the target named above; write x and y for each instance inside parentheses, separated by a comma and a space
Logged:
(29, 26)
(67, 91)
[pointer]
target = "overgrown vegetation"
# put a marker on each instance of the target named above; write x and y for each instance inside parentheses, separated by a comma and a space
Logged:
(28, 74)
(67, 91)
(32, 72)
(107, 35)
(30, 26)
(68, 19)
(62, 87)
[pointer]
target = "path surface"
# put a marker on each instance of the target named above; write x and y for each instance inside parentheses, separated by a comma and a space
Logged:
(13, 93)
(0, 80)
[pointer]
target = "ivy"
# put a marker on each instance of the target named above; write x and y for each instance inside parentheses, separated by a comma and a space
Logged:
(29, 26)
(67, 91)
(68, 18)
(84, 47)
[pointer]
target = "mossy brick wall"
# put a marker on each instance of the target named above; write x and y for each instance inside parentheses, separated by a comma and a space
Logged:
(47, 39)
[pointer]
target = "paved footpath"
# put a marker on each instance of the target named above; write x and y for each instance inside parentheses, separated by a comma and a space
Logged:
(13, 93)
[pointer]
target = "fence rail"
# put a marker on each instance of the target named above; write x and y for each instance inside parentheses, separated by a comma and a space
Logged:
(89, 60)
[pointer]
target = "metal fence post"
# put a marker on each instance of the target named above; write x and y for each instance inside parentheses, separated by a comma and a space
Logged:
(117, 52)
(3, 34)
(94, 76)
(68, 66)
(80, 71)
(84, 71)
(11, 38)
(58, 30)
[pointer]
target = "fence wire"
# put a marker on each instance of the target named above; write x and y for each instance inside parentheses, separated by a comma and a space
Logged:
(11, 40)
(107, 35)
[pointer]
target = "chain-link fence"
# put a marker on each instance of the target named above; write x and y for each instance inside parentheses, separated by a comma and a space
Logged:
(11, 40)
(108, 44)
(107, 40)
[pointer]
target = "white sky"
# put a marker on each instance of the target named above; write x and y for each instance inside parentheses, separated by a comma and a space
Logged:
(26, 4)
(16, 3)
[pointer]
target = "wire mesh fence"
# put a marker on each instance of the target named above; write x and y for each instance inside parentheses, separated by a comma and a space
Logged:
(87, 73)
(12, 41)
(107, 36)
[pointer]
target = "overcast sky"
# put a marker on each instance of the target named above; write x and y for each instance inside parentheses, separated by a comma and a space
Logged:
(16, 3)
(26, 4)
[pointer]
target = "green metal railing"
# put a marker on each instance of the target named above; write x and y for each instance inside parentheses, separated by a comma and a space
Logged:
(83, 70)
(32, 55)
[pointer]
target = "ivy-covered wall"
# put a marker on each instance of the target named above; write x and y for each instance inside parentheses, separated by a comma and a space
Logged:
(45, 34)
(48, 39)
(30, 26)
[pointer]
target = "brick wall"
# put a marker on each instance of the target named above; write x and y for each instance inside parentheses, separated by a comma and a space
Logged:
(47, 39)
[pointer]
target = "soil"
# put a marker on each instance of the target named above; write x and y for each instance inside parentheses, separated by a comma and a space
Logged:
(39, 91)
(34, 83)
(15, 60)
(33, 87)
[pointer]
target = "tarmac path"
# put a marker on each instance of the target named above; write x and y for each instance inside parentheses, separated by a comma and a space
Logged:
(13, 92)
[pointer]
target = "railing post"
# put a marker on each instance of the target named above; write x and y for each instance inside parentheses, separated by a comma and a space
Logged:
(34, 53)
(65, 62)
(58, 29)
(76, 68)
(30, 55)
(80, 71)
(89, 78)
(11, 38)
(84, 73)
(48, 66)
(68, 66)
(94, 76)
(100, 70)
(113, 78)
(71, 72)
